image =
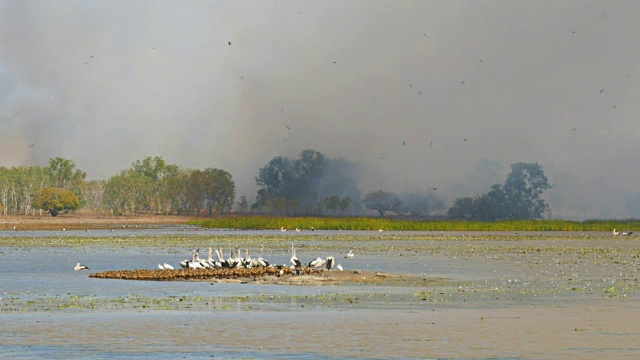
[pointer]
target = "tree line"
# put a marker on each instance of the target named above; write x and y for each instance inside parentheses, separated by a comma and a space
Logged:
(148, 186)
(309, 185)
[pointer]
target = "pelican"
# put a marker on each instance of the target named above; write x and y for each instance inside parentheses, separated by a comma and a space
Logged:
(239, 261)
(294, 260)
(168, 267)
(615, 232)
(80, 267)
(350, 254)
(221, 260)
(247, 262)
(329, 262)
(339, 267)
(261, 261)
(209, 261)
(318, 262)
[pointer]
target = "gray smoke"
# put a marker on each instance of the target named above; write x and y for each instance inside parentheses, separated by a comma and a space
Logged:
(395, 85)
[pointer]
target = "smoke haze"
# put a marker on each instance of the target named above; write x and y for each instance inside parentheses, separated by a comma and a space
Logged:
(423, 93)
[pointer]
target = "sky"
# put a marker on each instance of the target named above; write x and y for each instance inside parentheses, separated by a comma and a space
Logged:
(425, 94)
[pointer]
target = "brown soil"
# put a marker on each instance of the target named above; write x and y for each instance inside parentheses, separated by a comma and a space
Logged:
(261, 276)
(76, 222)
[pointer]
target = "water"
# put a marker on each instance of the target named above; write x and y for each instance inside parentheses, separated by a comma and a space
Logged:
(540, 298)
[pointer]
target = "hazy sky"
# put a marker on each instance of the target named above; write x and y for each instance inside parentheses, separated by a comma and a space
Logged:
(105, 83)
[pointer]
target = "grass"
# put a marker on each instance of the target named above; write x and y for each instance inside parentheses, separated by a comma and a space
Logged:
(368, 223)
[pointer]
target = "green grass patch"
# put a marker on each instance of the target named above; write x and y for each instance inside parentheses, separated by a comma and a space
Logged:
(387, 224)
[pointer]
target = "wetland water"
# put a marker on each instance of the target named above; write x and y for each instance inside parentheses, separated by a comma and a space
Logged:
(475, 295)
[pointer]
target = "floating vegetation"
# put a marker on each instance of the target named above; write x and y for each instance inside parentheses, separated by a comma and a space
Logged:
(198, 274)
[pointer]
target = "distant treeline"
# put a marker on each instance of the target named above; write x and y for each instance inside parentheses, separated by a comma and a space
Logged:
(305, 224)
(311, 185)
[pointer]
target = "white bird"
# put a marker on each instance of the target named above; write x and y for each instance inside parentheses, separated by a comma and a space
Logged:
(168, 267)
(318, 262)
(160, 266)
(339, 267)
(380, 230)
(350, 254)
(231, 262)
(329, 262)
(615, 232)
(282, 228)
(239, 261)
(627, 233)
(294, 260)
(298, 230)
(261, 261)
(80, 267)
(247, 261)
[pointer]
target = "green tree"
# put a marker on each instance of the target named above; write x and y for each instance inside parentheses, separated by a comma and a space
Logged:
(56, 200)
(243, 204)
(523, 189)
(381, 201)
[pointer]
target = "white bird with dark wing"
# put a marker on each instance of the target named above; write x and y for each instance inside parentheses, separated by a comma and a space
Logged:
(294, 260)
(330, 262)
(350, 254)
(318, 262)
(80, 267)
(261, 261)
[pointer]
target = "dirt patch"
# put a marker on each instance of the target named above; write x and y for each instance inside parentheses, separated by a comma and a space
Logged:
(270, 275)
(82, 222)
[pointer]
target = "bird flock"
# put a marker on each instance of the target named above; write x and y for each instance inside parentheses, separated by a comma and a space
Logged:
(236, 261)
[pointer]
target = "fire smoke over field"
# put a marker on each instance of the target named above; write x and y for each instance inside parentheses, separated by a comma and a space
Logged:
(420, 92)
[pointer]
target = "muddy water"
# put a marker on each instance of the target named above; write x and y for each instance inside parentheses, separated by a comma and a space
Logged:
(532, 296)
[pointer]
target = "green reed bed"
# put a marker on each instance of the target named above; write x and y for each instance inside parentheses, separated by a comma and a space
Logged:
(366, 223)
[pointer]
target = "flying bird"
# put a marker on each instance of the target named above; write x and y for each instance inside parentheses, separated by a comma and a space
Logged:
(464, 140)
(404, 143)
(287, 126)
(419, 92)
(335, 62)
(462, 82)
(425, 35)
(229, 42)
(574, 129)
(435, 189)
(32, 145)
(601, 91)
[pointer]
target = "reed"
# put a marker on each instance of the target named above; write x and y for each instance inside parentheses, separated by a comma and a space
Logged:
(368, 223)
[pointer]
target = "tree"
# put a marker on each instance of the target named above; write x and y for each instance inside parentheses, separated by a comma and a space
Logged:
(381, 201)
(416, 203)
(519, 198)
(56, 200)
(523, 189)
(243, 204)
